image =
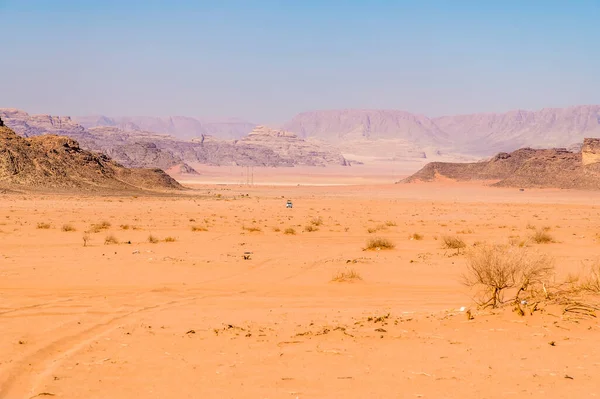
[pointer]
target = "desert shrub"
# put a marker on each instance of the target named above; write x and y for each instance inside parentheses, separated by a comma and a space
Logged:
(110, 239)
(43, 226)
(416, 236)
(493, 269)
(346, 275)
(316, 221)
(289, 231)
(252, 229)
(310, 228)
(530, 226)
(453, 243)
(170, 239)
(592, 281)
(67, 227)
(379, 243)
(542, 237)
(276, 229)
(199, 228)
(152, 239)
(377, 228)
(125, 226)
(98, 227)
(390, 223)
(516, 241)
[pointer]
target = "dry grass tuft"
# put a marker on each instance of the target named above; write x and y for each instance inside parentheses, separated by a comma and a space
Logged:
(199, 228)
(453, 243)
(346, 275)
(252, 229)
(125, 227)
(416, 236)
(289, 231)
(67, 227)
(378, 243)
(110, 239)
(152, 239)
(170, 239)
(309, 228)
(493, 269)
(44, 226)
(542, 237)
(316, 221)
(390, 223)
(98, 227)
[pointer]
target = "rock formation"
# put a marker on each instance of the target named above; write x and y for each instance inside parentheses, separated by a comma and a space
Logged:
(292, 148)
(139, 148)
(56, 162)
(526, 167)
(590, 152)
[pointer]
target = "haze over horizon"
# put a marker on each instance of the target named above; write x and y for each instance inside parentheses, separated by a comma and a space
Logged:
(267, 62)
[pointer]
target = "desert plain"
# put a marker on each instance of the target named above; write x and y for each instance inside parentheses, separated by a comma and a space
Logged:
(223, 292)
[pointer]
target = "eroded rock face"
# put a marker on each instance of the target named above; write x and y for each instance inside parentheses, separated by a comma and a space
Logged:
(57, 162)
(290, 147)
(526, 167)
(590, 152)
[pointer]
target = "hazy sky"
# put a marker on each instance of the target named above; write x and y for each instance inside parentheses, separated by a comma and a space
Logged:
(268, 60)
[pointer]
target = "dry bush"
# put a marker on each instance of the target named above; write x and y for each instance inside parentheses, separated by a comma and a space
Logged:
(493, 269)
(152, 239)
(516, 241)
(276, 229)
(110, 239)
(199, 228)
(592, 281)
(170, 239)
(390, 223)
(453, 243)
(379, 243)
(67, 227)
(252, 229)
(124, 226)
(316, 221)
(542, 237)
(98, 227)
(310, 228)
(43, 226)
(530, 226)
(289, 231)
(346, 275)
(416, 236)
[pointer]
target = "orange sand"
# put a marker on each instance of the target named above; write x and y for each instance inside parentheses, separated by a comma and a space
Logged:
(193, 319)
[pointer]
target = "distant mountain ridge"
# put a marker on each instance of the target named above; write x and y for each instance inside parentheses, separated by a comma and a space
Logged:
(181, 127)
(481, 134)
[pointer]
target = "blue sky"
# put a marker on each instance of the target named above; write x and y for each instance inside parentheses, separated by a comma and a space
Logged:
(266, 60)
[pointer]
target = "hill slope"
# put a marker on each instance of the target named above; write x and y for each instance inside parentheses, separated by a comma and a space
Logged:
(554, 168)
(51, 161)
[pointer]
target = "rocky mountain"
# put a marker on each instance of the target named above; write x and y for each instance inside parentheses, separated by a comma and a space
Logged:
(477, 134)
(344, 125)
(57, 162)
(139, 148)
(526, 167)
(181, 127)
(546, 128)
(292, 148)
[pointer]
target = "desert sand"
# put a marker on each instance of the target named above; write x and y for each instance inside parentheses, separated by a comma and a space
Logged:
(188, 317)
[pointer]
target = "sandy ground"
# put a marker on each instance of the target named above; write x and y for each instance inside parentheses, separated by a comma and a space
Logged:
(192, 318)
